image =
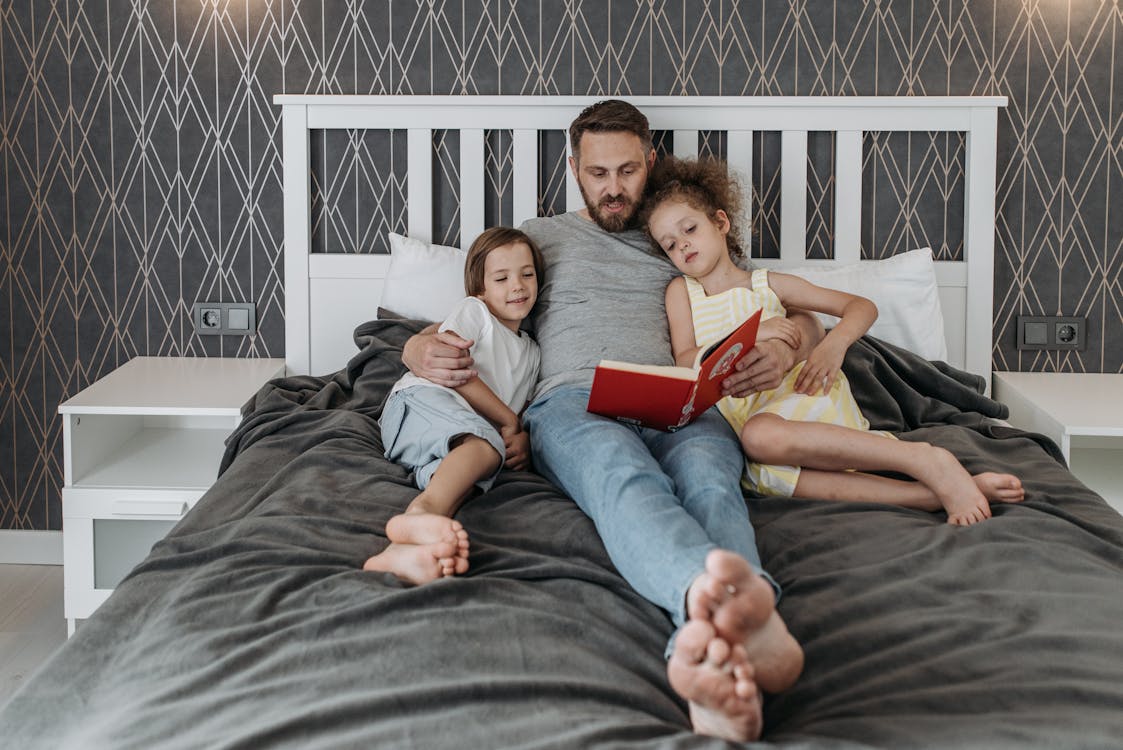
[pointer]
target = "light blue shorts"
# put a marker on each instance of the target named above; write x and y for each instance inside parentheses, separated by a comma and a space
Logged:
(419, 423)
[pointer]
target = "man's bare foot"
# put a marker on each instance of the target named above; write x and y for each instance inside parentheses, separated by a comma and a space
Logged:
(419, 527)
(1000, 488)
(742, 608)
(415, 563)
(717, 681)
(956, 490)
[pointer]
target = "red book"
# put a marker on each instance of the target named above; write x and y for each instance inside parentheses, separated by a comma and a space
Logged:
(664, 396)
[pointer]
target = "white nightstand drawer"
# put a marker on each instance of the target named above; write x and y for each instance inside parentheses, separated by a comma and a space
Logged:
(106, 532)
(85, 502)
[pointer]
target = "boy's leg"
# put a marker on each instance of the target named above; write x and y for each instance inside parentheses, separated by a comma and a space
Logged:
(470, 460)
(449, 447)
(428, 518)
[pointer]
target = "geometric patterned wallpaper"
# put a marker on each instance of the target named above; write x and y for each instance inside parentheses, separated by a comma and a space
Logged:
(140, 155)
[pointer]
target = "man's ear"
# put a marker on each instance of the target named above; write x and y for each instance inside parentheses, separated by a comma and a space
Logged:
(573, 167)
(651, 160)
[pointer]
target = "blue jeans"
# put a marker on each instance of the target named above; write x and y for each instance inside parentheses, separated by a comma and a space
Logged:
(660, 500)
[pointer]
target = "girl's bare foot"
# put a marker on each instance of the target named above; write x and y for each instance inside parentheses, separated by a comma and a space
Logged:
(717, 681)
(420, 527)
(415, 563)
(955, 488)
(741, 606)
(1000, 488)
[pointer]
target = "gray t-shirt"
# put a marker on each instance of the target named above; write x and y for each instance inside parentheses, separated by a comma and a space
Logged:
(602, 298)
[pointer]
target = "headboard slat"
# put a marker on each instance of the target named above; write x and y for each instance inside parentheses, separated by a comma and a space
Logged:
(793, 196)
(524, 179)
(739, 158)
(573, 199)
(419, 184)
(848, 201)
(685, 144)
(471, 185)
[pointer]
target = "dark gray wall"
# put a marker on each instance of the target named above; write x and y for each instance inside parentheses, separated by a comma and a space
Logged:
(141, 172)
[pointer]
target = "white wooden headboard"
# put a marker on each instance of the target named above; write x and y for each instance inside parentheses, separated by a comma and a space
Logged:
(326, 295)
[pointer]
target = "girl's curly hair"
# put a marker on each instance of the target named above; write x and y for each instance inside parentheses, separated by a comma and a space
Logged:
(704, 184)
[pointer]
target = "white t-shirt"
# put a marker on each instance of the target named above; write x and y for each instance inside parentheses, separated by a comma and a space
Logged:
(506, 361)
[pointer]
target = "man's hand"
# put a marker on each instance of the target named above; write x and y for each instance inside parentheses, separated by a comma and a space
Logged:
(517, 441)
(762, 369)
(782, 329)
(442, 358)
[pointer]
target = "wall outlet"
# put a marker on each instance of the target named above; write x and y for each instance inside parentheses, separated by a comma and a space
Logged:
(1037, 332)
(225, 318)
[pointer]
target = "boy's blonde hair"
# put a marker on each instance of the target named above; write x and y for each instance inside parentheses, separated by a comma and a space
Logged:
(703, 184)
(488, 240)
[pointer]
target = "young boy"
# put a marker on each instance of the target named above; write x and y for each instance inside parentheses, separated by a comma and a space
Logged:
(457, 439)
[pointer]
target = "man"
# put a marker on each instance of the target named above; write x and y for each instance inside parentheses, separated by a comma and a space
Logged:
(668, 506)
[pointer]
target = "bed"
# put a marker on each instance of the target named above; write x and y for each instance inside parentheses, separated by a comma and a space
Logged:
(251, 624)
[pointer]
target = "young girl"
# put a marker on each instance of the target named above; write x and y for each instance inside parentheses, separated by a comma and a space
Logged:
(807, 437)
(454, 440)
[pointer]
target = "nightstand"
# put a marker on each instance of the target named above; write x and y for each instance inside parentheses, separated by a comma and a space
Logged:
(1082, 413)
(140, 446)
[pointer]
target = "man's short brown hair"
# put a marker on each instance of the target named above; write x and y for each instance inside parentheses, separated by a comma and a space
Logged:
(609, 116)
(488, 240)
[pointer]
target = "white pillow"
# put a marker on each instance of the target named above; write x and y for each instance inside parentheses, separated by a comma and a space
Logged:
(904, 289)
(424, 281)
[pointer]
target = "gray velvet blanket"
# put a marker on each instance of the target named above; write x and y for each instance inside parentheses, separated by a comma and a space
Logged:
(253, 626)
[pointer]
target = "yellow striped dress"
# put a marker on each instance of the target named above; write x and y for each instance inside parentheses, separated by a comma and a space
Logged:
(714, 316)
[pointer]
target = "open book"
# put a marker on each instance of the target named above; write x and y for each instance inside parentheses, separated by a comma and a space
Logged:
(668, 397)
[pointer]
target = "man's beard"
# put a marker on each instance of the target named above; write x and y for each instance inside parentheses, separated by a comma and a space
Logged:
(617, 222)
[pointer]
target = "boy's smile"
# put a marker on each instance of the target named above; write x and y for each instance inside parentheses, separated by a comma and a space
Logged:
(510, 283)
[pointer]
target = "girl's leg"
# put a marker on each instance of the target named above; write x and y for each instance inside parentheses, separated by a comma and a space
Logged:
(769, 439)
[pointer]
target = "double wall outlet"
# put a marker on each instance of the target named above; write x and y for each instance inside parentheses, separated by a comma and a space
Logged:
(1051, 332)
(225, 318)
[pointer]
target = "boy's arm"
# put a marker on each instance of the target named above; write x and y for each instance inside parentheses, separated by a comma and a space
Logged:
(481, 398)
(492, 408)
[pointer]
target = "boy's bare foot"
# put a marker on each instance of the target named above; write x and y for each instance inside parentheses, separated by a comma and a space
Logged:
(415, 563)
(956, 490)
(1000, 488)
(742, 608)
(717, 682)
(419, 527)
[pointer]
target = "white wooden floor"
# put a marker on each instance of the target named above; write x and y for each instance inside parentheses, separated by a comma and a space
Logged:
(31, 622)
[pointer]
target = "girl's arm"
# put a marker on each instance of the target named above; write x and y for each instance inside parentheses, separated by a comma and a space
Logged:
(679, 319)
(856, 315)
